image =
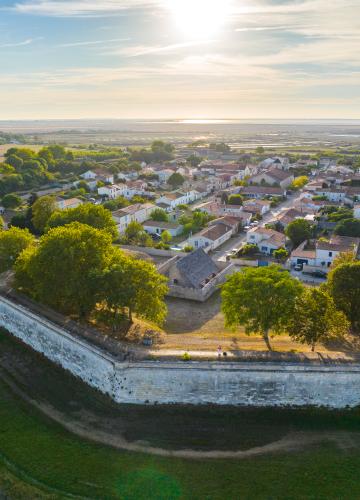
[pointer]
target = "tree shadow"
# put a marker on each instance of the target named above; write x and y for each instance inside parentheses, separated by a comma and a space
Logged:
(185, 316)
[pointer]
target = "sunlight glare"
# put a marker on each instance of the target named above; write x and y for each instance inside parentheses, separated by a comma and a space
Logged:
(199, 19)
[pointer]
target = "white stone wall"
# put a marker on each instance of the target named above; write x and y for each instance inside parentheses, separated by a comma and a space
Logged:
(250, 384)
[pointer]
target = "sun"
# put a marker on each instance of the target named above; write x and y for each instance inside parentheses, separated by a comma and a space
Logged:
(199, 19)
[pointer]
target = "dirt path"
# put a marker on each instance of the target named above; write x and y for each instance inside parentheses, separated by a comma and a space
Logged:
(82, 428)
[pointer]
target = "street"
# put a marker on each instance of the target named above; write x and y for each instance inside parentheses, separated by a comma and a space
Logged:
(236, 242)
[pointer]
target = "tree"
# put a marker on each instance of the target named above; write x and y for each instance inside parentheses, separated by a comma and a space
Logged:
(235, 199)
(176, 180)
(298, 231)
(93, 215)
(133, 230)
(42, 210)
(15, 161)
(61, 272)
(136, 285)
(281, 254)
(261, 299)
(344, 287)
(159, 215)
(12, 243)
(11, 201)
(299, 182)
(316, 318)
(348, 227)
(194, 160)
(166, 237)
(2, 224)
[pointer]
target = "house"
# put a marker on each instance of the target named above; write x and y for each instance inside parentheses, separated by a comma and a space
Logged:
(326, 251)
(234, 210)
(234, 222)
(267, 240)
(164, 175)
(273, 177)
(305, 253)
(158, 227)
(194, 270)
(210, 207)
(289, 215)
(88, 175)
(139, 212)
(261, 191)
(98, 175)
(257, 206)
(177, 198)
(113, 191)
(333, 194)
(63, 204)
(211, 237)
(322, 253)
(277, 162)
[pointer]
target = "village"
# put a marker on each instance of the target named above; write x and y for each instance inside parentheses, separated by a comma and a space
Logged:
(203, 214)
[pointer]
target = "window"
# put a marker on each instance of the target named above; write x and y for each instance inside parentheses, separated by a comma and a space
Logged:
(330, 254)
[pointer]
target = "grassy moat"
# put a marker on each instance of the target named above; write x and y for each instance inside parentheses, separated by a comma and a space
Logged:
(272, 453)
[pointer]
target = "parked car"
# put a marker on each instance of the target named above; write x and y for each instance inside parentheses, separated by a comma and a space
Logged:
(298, 267)
(317, 274)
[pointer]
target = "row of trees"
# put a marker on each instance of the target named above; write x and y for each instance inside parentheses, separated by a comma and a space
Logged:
(76, 270)
(270, 301)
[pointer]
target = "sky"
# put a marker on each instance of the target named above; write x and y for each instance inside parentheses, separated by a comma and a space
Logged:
(177, 59)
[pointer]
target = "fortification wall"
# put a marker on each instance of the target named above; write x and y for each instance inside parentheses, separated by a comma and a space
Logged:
(227, 383)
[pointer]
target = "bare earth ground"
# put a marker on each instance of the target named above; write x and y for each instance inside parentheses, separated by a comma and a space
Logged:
(200, 326)
(169, 431)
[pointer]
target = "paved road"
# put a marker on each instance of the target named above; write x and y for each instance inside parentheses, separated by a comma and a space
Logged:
(236, 242)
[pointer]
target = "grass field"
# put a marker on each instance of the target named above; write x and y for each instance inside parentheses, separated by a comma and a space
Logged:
(40, 459)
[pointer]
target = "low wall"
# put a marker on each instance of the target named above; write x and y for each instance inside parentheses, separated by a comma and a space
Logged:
(201, 294)
(223, 383)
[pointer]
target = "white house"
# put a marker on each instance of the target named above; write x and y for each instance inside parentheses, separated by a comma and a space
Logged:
(112, 191)
(333, 194)
(63, 204)
(140, 212)
(177, 198)
(88, 175)
(326, 251)
(322, 253)
(210, 237)
(158, 227)
(267, 240)
(98, 175)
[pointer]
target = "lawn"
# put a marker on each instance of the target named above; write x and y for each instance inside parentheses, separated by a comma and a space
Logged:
(40, 459)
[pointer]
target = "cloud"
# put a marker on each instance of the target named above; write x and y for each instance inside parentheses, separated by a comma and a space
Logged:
(142, 50)
(93, 42)
(28, 41)
(68, 8)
